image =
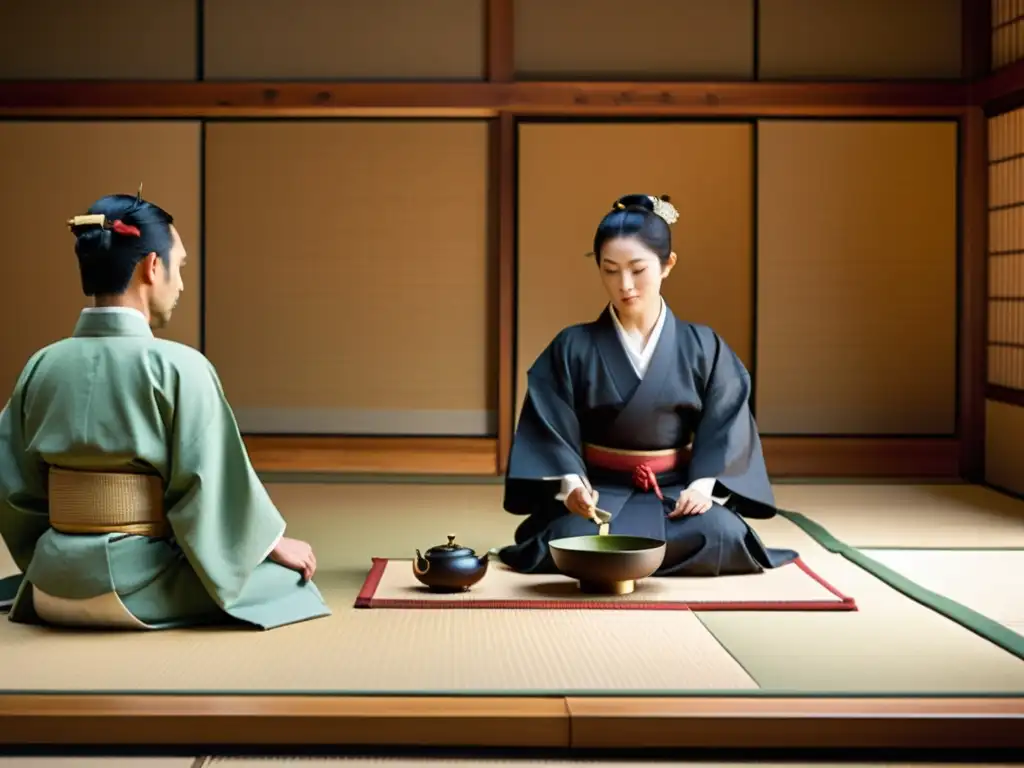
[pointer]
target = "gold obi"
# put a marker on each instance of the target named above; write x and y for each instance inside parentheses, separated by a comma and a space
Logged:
(107, 502)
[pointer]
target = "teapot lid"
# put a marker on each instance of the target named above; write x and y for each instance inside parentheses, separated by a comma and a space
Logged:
(451, 549)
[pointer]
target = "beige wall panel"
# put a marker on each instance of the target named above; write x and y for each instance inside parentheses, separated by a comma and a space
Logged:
(55, 170)
(823, 39)
(349, 288)
(1004, 434)
(98, 39)
(344, 39)
(857, 277)
(607, 39)
(569, 176)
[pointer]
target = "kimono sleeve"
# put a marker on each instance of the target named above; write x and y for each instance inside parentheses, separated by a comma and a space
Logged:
(220, 513)
(547, 444)
(24, 510)
(726, 444)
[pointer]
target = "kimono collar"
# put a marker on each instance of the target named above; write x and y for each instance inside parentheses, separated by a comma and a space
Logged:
(112, 321)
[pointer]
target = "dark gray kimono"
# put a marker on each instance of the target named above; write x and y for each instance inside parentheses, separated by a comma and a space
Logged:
(583, 389)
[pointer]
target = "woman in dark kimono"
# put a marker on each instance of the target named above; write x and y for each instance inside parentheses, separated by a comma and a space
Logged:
(644, 416)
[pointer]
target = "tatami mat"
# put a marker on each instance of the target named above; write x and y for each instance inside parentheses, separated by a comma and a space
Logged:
(939, 515)
(892, 644)
(989, 582)
(388, 652)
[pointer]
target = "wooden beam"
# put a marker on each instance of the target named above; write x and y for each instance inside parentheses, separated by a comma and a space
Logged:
(500, 35)
(1006, 395)
(505, 167)
(513, 722)
(358, 455)
(479, 99)
(973, 287)
(1002, 91)
(976, 38)
(862, 457)
(741, 99)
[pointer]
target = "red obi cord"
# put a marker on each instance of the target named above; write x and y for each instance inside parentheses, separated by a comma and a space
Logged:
(643, 466)
(645, 479)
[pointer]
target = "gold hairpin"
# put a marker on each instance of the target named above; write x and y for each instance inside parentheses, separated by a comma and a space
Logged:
(665, 209)
(138, 197)
(619, 206)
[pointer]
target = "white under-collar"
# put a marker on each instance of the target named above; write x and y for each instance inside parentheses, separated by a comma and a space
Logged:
(113, 310)
(638, 352)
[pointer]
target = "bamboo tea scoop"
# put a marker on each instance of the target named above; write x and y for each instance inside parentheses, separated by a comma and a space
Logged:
(603, 519)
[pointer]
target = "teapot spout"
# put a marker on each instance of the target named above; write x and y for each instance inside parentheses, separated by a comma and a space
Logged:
(420, 564)
(483, 560)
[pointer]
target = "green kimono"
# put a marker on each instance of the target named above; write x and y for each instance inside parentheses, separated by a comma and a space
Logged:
(115, 398)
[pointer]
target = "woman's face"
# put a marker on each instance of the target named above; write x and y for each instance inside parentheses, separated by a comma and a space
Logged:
(632, 275)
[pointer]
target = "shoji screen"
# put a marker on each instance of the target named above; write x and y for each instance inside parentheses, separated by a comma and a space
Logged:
(1007, 32)
(1005, 419)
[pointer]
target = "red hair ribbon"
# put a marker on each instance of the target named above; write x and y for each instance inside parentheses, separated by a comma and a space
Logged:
(645, 479)
(125, 229)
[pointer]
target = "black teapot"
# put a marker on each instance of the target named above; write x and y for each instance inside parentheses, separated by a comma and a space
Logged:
(449, 567)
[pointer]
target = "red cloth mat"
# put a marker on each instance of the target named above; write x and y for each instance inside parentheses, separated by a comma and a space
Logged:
(793, 587)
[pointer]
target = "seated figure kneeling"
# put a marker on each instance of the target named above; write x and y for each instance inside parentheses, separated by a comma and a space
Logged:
(127, 498)
(645, 415)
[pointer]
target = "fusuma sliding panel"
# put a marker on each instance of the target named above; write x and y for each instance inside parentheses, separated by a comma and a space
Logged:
(857, 285)
(349, 281)
(569, 177)
(55, 170)
(612, 40)
(98, 40)
(344, 39)
(859, 39)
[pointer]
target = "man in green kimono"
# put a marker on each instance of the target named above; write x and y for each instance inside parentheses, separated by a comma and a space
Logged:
(127, 498)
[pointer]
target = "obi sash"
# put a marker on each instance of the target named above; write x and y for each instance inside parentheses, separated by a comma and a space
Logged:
(107, 502)
(644, 466)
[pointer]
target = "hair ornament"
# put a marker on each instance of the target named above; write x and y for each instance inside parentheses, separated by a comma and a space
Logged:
(664, 209)
(99, 220)
(138, 197)
(619, 206)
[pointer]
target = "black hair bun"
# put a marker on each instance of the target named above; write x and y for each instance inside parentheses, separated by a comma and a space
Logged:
(92, 239)
(633, 201)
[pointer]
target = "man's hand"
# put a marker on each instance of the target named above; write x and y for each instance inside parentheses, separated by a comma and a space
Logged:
(582, 502)
(691, 502)
(295, 554)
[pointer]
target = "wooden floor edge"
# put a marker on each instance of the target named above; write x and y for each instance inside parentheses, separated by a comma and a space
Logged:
(797, 723)
(511, 722)
(388, 455)
(198, 720)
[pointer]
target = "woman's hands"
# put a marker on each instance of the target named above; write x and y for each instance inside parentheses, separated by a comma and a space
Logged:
(691, 502)
(583, 503)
